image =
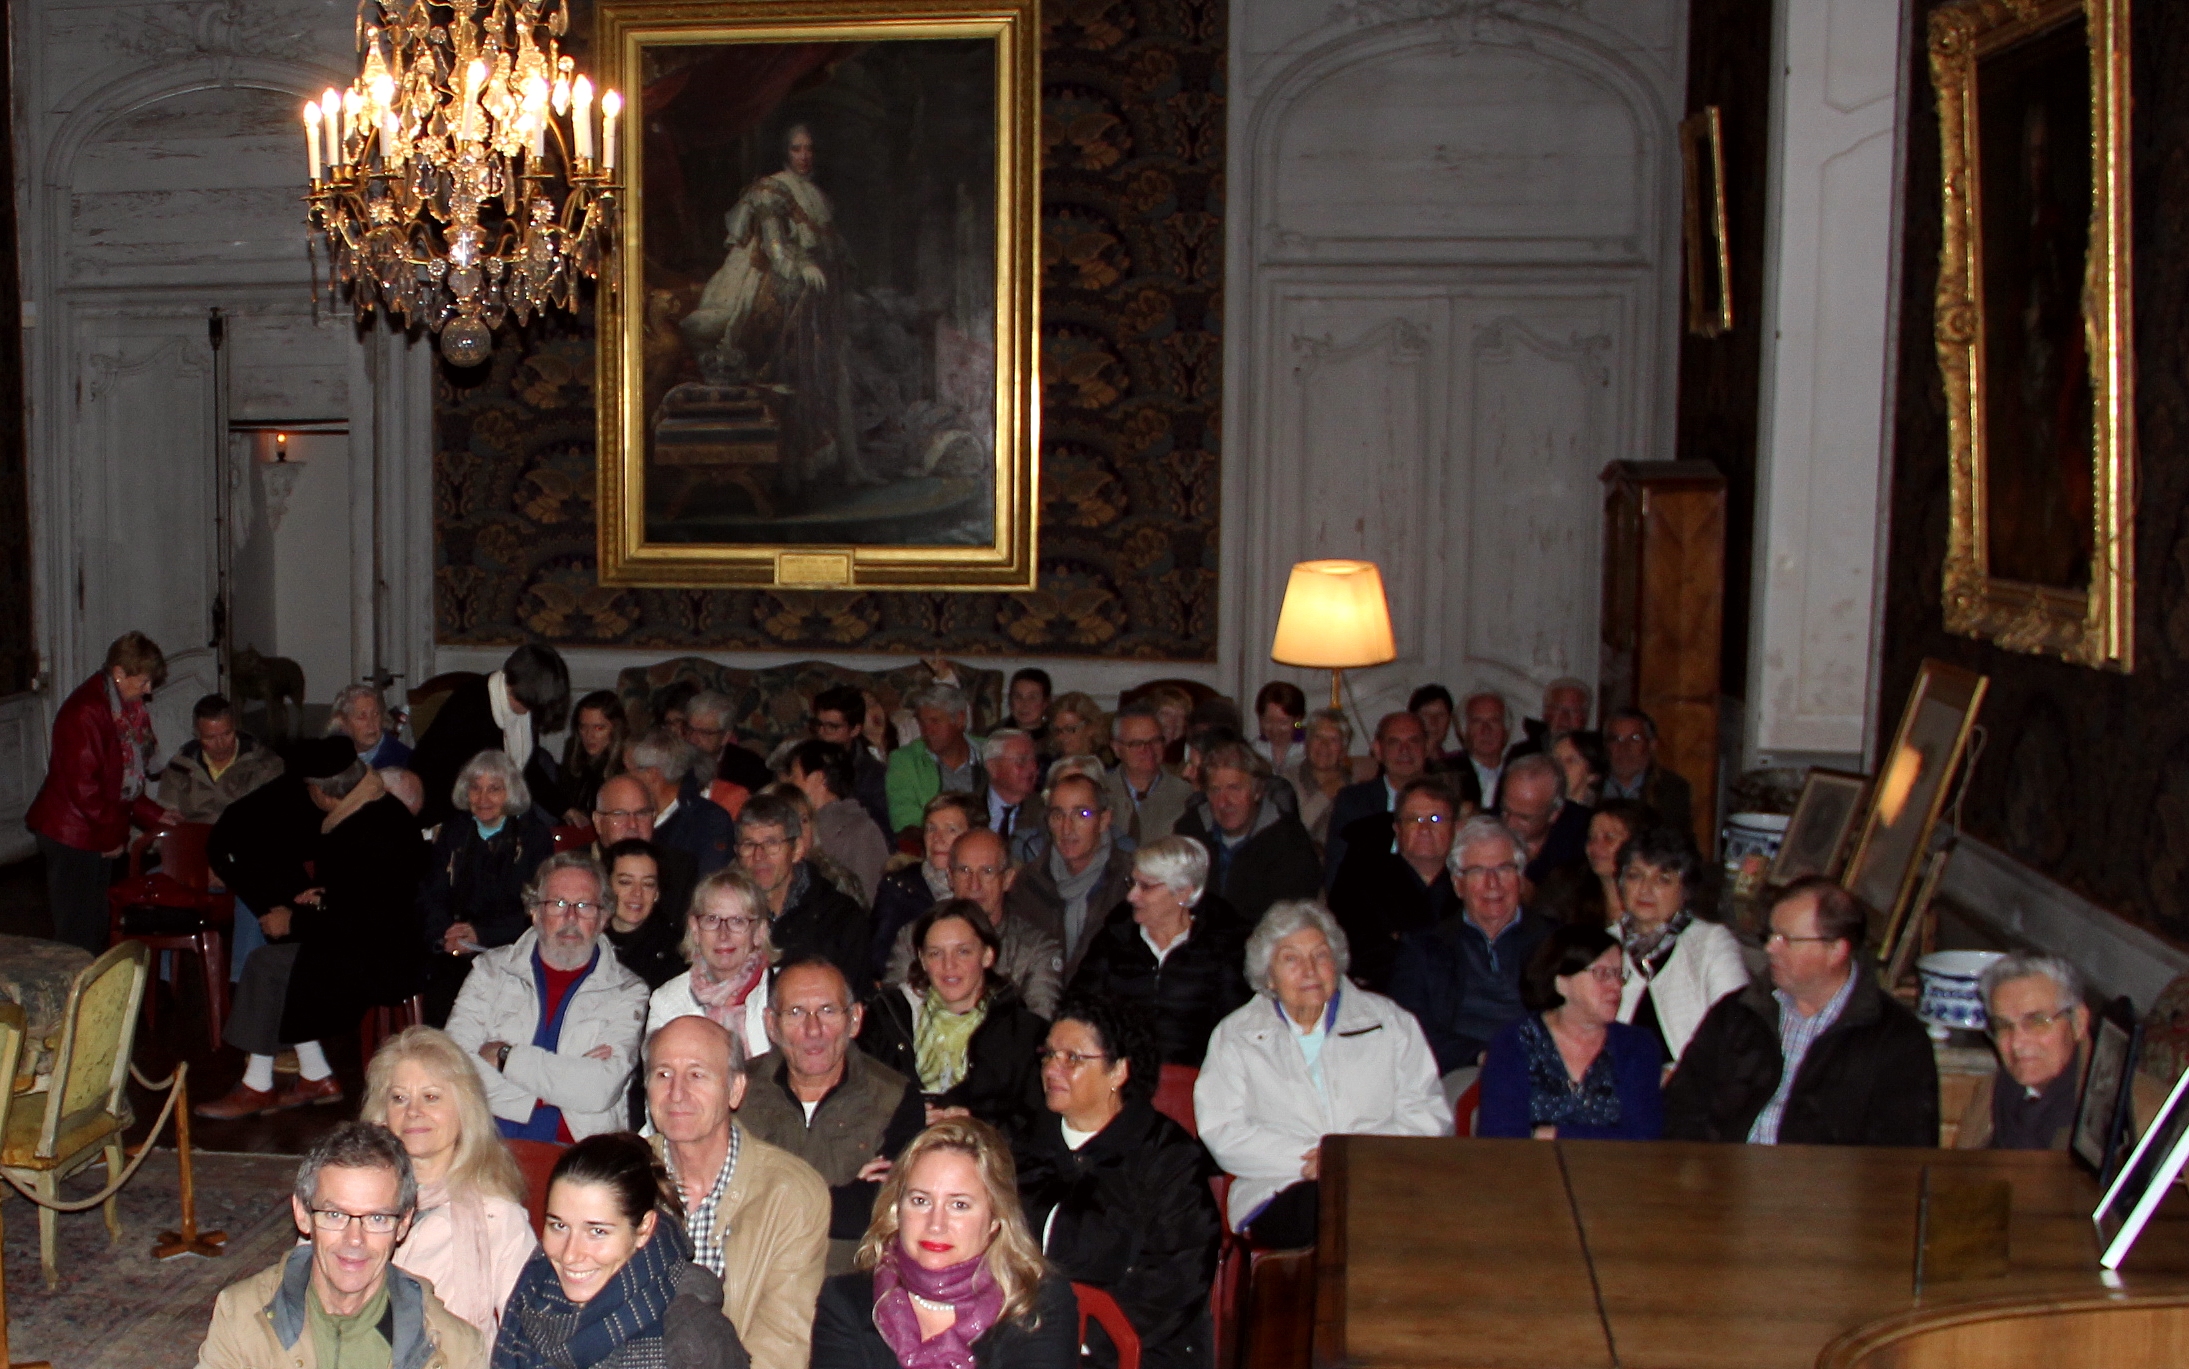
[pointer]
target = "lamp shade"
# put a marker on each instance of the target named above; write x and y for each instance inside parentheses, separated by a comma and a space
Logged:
(1334, 617)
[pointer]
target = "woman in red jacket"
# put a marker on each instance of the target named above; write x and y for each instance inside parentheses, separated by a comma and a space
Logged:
(97, 783)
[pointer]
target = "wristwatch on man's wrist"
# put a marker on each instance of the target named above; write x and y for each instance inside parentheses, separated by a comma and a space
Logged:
(501, 1058)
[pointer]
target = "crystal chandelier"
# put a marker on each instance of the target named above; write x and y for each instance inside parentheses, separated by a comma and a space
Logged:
(436, 175)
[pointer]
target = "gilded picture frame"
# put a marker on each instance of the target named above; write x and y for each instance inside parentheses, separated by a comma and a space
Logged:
(818, 358)
(2034, 325)
(1705, 236)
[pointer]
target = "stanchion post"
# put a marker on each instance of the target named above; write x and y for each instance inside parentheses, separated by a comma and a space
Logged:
(189, 1240)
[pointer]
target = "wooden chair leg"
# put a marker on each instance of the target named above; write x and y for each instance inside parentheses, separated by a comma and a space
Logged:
(213, 962)
(49, 1254)
(113, 1204)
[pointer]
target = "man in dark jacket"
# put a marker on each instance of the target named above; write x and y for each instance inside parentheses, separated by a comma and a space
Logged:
(1461, 978)
(1079, 876)
(1401, 747)
(509, 710)
(1258, 853)
(1824, 1058)
(216, 767)
(1394, 882)
(684, 819)
(836, 1108)
(809, 915)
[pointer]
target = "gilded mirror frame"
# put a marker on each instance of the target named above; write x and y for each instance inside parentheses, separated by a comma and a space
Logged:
(2092, 626)
(623, 29)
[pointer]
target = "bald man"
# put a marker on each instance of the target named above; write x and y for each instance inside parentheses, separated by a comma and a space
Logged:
(757, 1216)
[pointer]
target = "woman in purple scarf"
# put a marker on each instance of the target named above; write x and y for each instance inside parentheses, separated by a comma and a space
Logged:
(948, 1277)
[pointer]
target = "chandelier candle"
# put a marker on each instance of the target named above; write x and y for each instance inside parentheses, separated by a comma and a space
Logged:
(452, 192)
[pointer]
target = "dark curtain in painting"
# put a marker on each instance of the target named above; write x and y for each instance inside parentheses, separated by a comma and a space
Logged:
(1131, 301)
(2086, 774)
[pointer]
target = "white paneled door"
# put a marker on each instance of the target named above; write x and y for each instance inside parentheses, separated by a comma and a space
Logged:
(144, 470)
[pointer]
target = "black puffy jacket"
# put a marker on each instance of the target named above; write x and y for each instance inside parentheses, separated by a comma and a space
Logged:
(1195, 987)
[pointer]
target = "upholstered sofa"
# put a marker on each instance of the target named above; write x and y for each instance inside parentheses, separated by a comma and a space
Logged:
(772, 704)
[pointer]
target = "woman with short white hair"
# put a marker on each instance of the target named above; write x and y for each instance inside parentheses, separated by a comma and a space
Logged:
(1311, 1057)
(482, 858)
(1172, 950)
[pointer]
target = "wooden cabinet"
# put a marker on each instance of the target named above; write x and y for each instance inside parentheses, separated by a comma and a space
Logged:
(1664, 606)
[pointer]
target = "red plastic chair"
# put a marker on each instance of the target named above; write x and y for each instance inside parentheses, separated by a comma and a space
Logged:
(384, 1020)
(192, 918)
(1102, 1309)
(1467, 1110)
(1174, 1095)
(536, 1161)
(572, 838)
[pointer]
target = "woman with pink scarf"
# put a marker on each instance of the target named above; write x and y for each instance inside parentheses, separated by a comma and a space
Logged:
(726, 940)
(948, 1276)
(471, 1236)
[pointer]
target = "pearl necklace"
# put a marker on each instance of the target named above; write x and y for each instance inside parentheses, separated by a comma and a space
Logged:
(930, 1304)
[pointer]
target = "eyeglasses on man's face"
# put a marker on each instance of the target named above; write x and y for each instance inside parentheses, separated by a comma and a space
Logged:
(563, 907)
(828, 1014)
(1782, 939)
(2001, 1027)
(335, 1219)
(1503, 870)
(621, 814)
(756, 846)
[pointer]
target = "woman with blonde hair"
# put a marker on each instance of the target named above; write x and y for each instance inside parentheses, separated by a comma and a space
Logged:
(471, 1236)
(948, 1276)
(726, 941)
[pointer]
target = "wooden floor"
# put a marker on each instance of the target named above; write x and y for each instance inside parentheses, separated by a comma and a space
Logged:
(180, 1035)
(1667, 1255)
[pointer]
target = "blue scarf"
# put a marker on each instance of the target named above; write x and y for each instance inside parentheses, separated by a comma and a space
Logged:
(543, 1329)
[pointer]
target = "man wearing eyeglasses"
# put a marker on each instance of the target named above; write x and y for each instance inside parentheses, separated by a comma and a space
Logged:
(1032, 959)
(808, 914)
(1147, 799)
(1394, 882)
(1461, 978)
(2041, 1029)
(621, 812)
(1820, 1056)
(835, 1107)
(552, 1021)
(355, 1196)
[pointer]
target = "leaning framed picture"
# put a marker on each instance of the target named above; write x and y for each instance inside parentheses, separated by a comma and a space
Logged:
(2137, 1190)
(2102, 1112)
(817, 361)
(2034, 324)
(1911, 787)
(1824, 819)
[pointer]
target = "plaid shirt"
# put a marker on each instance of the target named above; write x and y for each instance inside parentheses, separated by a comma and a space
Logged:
(1796, 1035)
(699, 1222)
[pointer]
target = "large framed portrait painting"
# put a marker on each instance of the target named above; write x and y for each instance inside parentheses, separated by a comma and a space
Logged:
(817, 364)
(2033, 324)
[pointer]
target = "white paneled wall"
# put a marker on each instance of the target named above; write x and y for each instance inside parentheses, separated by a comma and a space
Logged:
(1451, 280)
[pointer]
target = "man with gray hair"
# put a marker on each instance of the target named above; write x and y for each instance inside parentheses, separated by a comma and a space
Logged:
(1070, 890)
(354, 1200)
(723, 772)
(359, 715)
(1461, 978)
(1148, 799)
(1015, 811)
(660, 760)
(806, 913)
(552, 1022)
(2041, 1028)
(944, 757)
(1554, 834)
(1258, 852)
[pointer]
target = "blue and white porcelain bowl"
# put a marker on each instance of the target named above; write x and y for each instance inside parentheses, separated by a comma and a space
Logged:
(1752, 834)
(1950, 997)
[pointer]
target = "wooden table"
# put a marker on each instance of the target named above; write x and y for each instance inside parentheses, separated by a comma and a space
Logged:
(1668, 1255)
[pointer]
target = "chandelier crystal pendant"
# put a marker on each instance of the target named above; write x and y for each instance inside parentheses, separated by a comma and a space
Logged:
(436, 175)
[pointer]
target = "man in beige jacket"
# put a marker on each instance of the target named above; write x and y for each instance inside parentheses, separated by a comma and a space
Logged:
(757, 1216)
(339, 1300)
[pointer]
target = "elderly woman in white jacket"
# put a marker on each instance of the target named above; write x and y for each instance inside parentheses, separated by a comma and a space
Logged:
(1311, 1056)
(1678, 966)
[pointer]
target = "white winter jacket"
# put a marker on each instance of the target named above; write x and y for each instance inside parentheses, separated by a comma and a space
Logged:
(674, 999)
(1706, 965)
(1259, 1110)
(501, 1002)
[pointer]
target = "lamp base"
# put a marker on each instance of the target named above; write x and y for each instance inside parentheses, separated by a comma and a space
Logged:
(1337, 698)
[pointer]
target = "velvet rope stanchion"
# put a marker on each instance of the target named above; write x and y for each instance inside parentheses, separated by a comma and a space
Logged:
(188, 1241)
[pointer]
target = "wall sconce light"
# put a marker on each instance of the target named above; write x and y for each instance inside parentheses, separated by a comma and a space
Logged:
(1334, 618)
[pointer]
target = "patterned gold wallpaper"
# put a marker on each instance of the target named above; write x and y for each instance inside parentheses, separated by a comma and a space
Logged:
(1132, 358)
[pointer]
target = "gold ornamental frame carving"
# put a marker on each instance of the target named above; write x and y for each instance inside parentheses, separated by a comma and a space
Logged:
(622, 28)
(2094, 627)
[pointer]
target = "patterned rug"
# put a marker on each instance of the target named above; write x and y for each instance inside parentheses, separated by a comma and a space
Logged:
(117, 1307)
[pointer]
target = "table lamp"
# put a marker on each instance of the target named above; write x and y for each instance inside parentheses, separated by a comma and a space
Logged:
(1334, 618)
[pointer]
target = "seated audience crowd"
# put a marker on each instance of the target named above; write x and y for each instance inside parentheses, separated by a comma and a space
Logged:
(861, 1054)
